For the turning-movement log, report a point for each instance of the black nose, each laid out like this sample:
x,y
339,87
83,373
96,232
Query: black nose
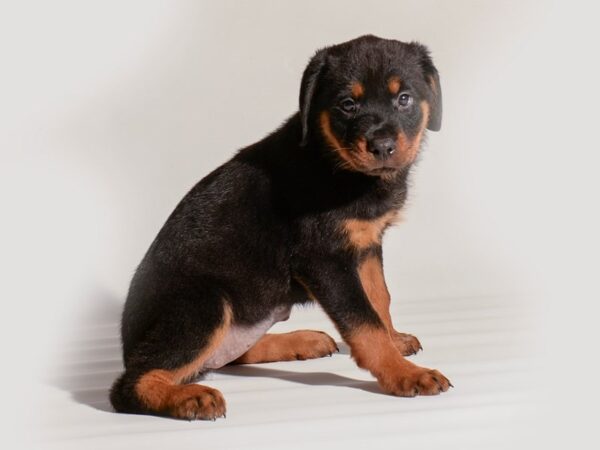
x,y
382,147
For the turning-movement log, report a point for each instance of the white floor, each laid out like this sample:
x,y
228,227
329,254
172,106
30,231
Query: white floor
x,y
481,344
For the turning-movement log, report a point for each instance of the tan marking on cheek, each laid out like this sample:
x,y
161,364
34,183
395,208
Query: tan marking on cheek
x,y
408,152
408,149
394,85
159,389
361,144
362,157
365,233
357,89
372,279
416,143
330,137
333,141
402,142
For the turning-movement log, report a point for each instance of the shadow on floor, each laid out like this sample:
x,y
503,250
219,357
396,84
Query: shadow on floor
x,y
307,378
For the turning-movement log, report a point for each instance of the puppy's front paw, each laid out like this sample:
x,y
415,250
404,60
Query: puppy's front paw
x,y
416,381
407,344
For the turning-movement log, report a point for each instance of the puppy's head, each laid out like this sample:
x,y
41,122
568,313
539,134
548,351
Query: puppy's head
x,y
368,102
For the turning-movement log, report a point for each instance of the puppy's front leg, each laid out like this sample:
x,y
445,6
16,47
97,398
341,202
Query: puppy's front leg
x,y
370,271
337,286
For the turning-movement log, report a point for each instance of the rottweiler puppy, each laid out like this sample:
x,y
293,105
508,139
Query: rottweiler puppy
x,y
297,217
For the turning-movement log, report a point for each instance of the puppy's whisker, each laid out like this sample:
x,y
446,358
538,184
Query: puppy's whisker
x,y
344,165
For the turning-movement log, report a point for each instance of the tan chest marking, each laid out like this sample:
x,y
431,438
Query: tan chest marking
x,y
366,233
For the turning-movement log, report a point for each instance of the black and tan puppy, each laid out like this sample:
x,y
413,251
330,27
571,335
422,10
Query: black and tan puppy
x,y
296,217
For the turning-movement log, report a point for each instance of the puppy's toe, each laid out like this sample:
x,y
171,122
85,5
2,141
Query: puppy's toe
x,y
309,344
196,402
418,381
407,344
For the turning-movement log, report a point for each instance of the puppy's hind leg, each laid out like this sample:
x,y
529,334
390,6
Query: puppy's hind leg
x,y
302,344
171,354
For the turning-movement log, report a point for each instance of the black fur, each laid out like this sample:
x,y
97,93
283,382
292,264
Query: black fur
x,y
273,213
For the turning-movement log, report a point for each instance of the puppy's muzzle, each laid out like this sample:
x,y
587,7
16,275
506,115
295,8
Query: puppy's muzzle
x,y
382,148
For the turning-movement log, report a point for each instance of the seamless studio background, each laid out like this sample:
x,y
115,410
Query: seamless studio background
x,y
110,111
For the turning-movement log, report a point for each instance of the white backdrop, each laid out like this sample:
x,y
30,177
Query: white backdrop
x,y
110,111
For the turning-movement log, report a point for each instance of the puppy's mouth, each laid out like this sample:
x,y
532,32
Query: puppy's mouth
x,y
378,171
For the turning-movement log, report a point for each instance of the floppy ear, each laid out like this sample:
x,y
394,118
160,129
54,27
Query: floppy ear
x,y
435,112
432,78
308,87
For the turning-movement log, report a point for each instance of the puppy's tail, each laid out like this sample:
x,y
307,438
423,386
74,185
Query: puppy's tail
x,y
123,396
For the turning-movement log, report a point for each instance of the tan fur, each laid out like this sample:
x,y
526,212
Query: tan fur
x,y
361,145
394,84
333,141
370,272
362,157
357,89
416,143
365,233
160,390
372,279
302,344
408,149
372,349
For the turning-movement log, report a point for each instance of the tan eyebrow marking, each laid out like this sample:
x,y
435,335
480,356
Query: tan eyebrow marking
x,y
394,85
357,89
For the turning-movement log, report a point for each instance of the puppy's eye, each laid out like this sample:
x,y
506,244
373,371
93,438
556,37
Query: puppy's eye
x,y
404,99
348,105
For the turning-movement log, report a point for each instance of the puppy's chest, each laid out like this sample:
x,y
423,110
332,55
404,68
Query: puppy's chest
x,y
361,233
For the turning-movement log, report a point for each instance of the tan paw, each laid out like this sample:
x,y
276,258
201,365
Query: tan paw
x,y
407,344
196,402
309,344
417,381
303,344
